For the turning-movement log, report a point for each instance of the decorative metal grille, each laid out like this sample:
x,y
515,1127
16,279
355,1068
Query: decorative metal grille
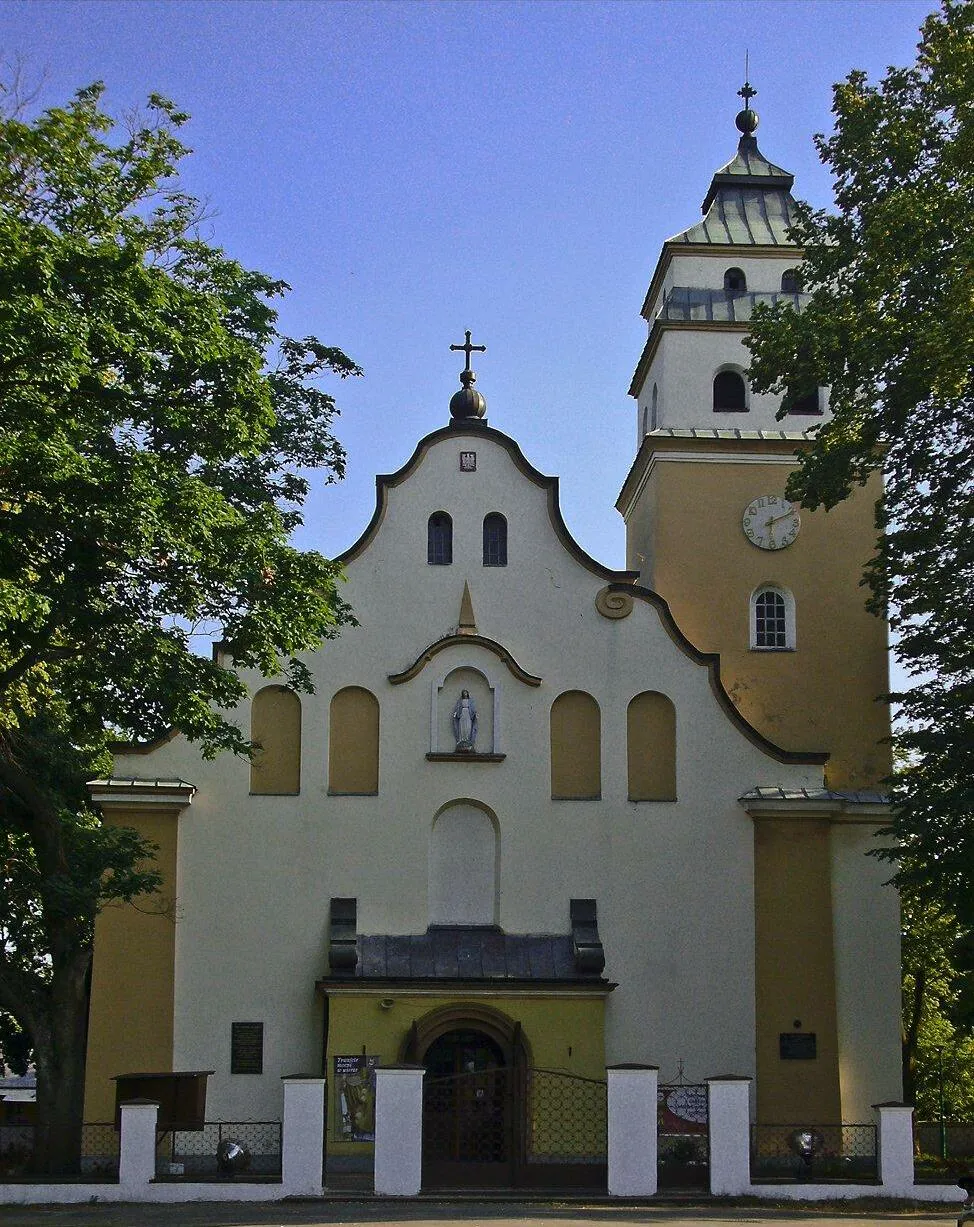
x,y
566,1118
195,1154
99,1151
814,1152
683,1141
467,1117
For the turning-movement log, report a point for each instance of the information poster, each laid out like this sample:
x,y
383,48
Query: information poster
x,y
355,1097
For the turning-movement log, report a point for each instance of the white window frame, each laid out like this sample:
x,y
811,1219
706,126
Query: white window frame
x,y
790,635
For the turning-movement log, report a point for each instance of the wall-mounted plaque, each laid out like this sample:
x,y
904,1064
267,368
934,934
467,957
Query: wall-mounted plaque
x,y
797,1046
247,1048
468,462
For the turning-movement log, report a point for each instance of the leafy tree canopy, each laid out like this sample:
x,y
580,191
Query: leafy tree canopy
x,y
890,328
154,429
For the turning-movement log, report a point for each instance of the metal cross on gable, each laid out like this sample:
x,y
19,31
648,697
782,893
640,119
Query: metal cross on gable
x,y
468,349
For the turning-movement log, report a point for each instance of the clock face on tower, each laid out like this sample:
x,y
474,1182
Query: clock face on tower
x,y
770,522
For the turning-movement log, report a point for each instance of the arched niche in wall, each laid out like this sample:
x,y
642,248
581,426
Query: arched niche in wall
x,y
576,747
484,690
353,742
651,747
463,865
275,726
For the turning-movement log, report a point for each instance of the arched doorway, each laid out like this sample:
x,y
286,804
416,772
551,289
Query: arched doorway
x,y
468,1109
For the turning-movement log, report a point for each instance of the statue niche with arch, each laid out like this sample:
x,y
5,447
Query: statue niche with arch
x,y
465,715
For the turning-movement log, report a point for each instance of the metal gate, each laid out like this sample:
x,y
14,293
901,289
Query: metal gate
x,y
514,1128
683,1125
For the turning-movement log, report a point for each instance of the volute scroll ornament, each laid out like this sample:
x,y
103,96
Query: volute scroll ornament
x,y
611,603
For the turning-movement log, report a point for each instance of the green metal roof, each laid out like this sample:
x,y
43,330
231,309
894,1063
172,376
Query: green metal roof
x,y
749,202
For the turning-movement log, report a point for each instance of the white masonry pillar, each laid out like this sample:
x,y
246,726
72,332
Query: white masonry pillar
x,y
137,1143
399,1130
303,1140
894,1145
632,1111
730,1135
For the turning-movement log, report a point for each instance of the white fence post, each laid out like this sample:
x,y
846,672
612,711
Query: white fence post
x,y
137,1143
894,1148
730,1134
399,1130
302,1144
632,1114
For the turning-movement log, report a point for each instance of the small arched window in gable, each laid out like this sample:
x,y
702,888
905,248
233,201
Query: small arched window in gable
x,y
275,729
772,619
654,412
730,392
803,401
651,747
735,280
495,540
439,540
791,282
576,747
353,742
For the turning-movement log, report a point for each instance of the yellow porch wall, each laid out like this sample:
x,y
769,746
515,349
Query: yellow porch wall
x,y
795,971
562,1033
130,1020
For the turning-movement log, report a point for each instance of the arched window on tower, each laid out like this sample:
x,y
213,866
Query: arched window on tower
x,y
495,540
806,401
275,727
730,392
791,281
772,618
735,280
439,540
654,411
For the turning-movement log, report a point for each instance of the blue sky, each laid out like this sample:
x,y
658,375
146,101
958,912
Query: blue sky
x,y
413,169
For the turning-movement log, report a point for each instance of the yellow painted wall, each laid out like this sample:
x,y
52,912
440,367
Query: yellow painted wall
x,y
130,1021
275,724
576,747
562,1033
685,537
353,742
651,747
795,971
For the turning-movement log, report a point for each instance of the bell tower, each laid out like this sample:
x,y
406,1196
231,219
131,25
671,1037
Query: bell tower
x,y
772,588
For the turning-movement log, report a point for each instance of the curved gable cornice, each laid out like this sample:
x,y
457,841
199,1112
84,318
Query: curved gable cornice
x,y
452,641
384,482
712,662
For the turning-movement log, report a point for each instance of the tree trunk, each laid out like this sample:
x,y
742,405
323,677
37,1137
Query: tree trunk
x,y
59,1052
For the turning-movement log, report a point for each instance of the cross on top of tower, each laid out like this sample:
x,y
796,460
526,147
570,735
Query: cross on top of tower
x,y
468,349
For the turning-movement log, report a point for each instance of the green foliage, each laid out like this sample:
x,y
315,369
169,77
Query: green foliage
x,y
890,328
155,433
938,1019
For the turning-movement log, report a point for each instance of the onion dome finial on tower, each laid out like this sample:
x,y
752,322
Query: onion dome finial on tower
x,y
468,402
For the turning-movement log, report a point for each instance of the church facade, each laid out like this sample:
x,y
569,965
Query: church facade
x,y
539,813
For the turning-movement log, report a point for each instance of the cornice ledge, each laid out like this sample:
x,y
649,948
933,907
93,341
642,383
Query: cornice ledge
x,y
450,641
128,791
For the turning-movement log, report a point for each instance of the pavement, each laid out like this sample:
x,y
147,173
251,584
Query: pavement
x,y
381,1212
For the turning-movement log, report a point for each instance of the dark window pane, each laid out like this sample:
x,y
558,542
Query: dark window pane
x,y
734,279
790,281
439,545
802,402
495,540
730,393
770,630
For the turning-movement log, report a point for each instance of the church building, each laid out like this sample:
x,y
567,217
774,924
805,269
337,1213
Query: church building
x,y
540,815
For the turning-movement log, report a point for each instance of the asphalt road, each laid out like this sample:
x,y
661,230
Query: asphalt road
x,y
441,1214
